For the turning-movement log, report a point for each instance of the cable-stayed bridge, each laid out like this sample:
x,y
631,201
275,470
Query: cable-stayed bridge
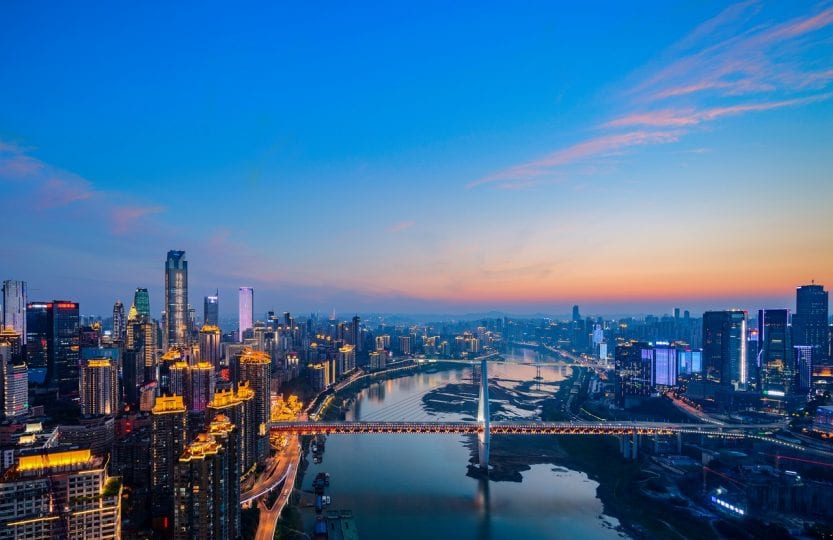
x,y
484,428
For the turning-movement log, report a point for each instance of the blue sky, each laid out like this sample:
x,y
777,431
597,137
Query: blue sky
x,y
417,157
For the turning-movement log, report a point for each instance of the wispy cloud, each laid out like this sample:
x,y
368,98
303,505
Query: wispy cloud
x,y
691,116
401,226
124,218
736,63
522,175
49,187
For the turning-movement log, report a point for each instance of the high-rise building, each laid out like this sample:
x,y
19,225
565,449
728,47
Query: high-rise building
x,y
60,494
665,366
777,369
211,310
14,307
141,300
14,383
200,386
119,322
99,387
201,481
809,322
633,364
176,299
64,347
228,404
168,433
724,347
228,434
356,333
803,362
256,370
37,339
246,310
210,345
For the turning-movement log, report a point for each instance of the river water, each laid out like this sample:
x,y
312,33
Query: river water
x,y
416,486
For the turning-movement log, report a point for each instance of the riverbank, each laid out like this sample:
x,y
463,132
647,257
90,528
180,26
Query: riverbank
x,y
619,480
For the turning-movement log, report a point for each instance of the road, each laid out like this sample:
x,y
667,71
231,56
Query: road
x,y
273,475
286,471
692,411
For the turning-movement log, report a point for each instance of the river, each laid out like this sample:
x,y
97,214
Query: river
x,y
416,486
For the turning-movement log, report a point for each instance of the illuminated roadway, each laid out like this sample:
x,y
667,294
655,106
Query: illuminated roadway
x,y
275,474
515,428
286,473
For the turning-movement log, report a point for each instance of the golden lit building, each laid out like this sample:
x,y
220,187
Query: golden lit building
x,y
168,433
99,387
60,494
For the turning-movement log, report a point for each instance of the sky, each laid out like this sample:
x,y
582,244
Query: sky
x,y
419,157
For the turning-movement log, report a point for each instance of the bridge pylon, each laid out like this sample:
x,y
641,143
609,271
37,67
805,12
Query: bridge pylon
x,y
484,437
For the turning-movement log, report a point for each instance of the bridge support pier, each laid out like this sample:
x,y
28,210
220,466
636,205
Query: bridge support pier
x,y
679,442
484,438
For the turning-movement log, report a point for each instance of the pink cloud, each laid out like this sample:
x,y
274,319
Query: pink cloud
x,y
401,226
802,26
595,147
690,117
125,218
57,192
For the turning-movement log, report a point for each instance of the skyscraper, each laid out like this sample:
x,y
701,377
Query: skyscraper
x,y
211,310
99,389
246,310
14,395
60,493
64,347
724,347
809,323
168,432
256,369
201,491
176,299
14,307
210,345
228,404
38,335
141,300
777,369
119,321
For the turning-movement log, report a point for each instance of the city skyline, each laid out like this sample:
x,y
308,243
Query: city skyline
x,y
422,167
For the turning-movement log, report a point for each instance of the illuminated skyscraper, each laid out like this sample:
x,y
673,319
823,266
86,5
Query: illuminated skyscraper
x,y
64,347
228,434
211,310
246,311
256,370
777,369
809,323
99,389
141,300
210,345
14,307
724,347
176,299
38,339
200,386
168,432
59,493
14,384
119,322
228,404
201,505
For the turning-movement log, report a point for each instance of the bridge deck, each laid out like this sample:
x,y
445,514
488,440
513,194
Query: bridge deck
x,y
509,428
